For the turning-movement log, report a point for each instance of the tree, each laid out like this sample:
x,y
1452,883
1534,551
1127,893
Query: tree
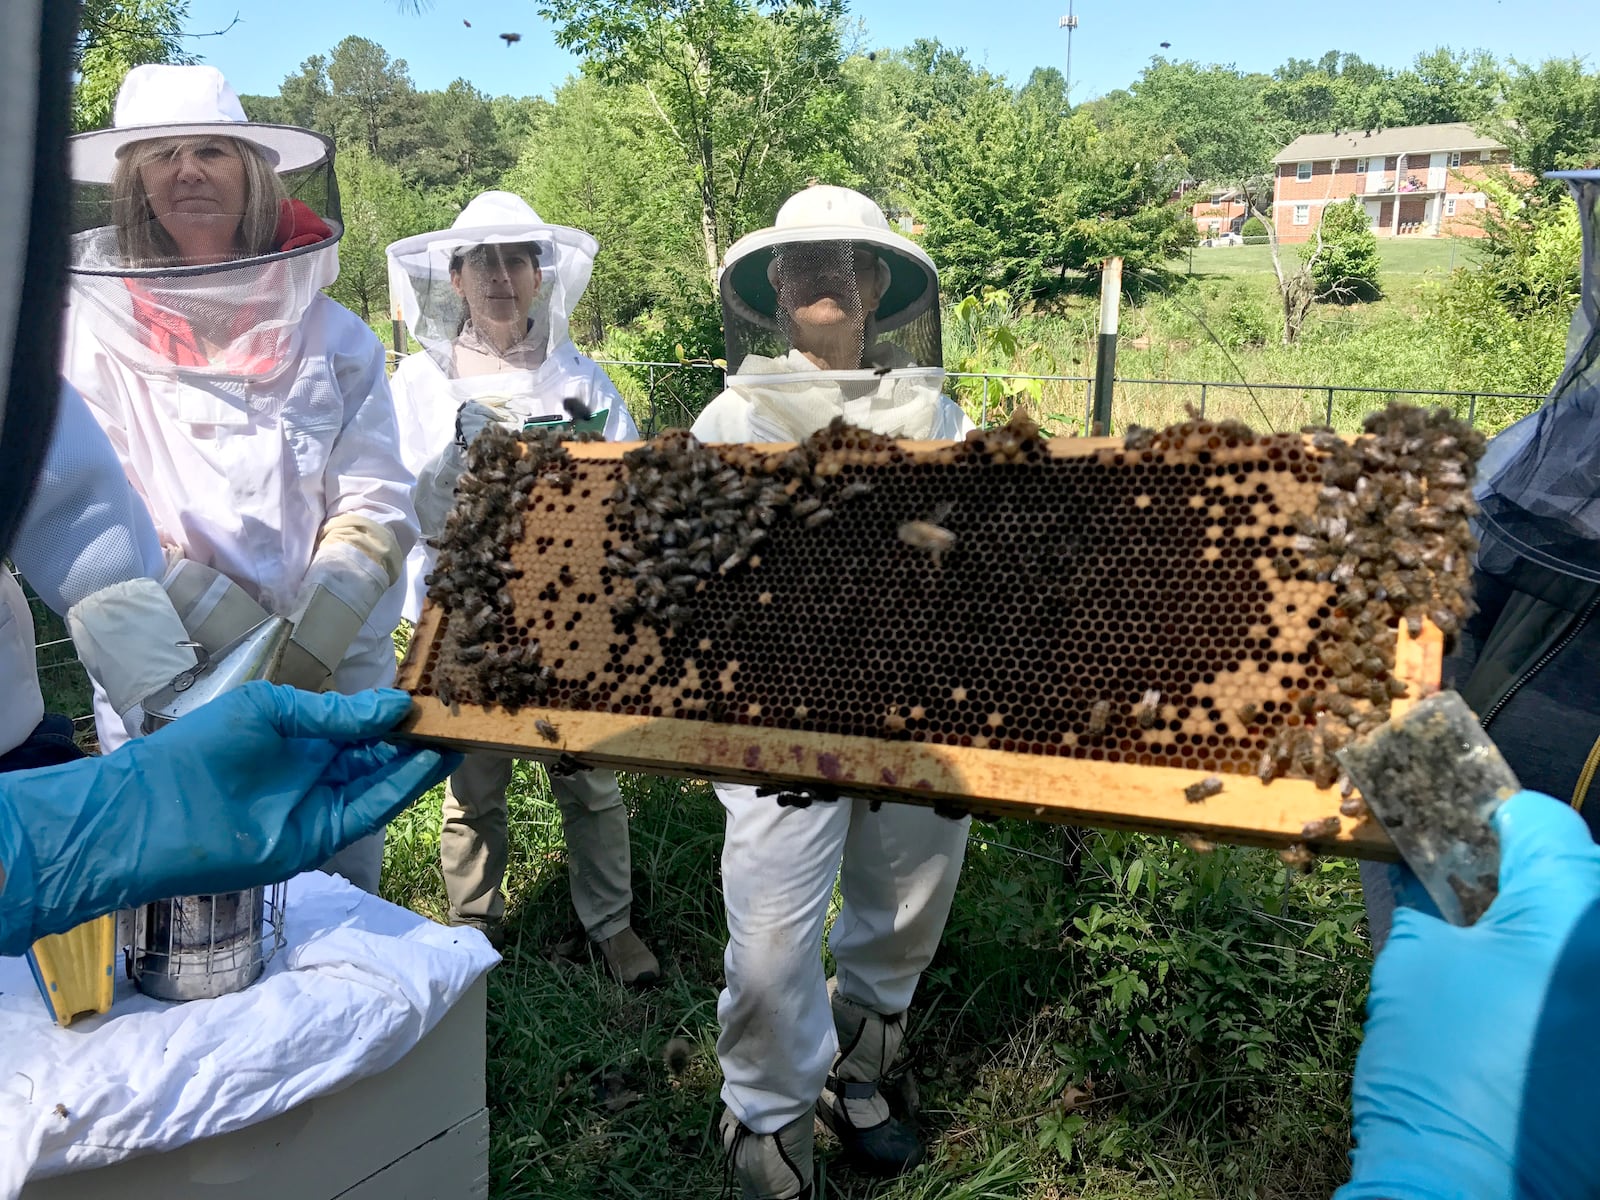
x,y
114,36
594,164
1117,202
371,93
738,86
990,181
1551,117
379,207
1343,260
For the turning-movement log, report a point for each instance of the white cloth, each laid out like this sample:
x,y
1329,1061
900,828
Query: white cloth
x,y
897,870
241,474
426,402
131,642
23,707
358,986
786,399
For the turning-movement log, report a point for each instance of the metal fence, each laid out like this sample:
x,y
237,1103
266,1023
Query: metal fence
x,y
660,397
664,395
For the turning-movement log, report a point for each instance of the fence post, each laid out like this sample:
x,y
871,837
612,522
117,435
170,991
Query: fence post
x,y
652,432
1203,399
983,415
1328,419
1105,366
1472,412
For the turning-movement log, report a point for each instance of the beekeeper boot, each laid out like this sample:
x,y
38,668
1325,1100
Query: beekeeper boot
x,y
852,1103
629,959
768,1166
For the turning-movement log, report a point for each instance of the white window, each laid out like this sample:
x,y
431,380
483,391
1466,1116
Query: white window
x,y
1302,172
1455,159
1361,166
1485,155
1450,206
1302,214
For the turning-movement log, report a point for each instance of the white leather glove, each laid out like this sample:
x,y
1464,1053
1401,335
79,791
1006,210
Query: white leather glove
x,y
357,561
132,642
436,481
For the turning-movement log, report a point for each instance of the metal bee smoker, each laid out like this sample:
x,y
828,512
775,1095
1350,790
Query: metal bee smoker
x,y
200,947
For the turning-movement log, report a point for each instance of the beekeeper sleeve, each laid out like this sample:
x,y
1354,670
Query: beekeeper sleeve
x,y
371,526
88,549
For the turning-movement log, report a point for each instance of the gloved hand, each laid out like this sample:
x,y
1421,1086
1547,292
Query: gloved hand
x,y
436,481
1480,1072
357,561
257,786
132,642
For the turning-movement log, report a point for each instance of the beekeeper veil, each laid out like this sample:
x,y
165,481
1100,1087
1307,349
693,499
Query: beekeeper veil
x,y
494,293
35,58
201,237
1540,489
831,313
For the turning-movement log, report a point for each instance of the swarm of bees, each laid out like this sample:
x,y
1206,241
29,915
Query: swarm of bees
x,y
690,514
471,575
1391,532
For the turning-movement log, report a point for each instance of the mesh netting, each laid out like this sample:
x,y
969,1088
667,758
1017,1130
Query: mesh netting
x,y
153,299
457,292
840,305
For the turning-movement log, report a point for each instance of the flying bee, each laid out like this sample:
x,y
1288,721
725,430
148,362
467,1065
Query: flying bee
x,y
546,730
1196,843
576,409
1297,856
1206,788
935,540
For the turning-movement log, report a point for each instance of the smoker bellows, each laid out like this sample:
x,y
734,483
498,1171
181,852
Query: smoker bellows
x,y
1065,629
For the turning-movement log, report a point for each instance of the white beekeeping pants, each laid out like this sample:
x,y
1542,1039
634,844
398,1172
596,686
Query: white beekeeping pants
x,y
897,870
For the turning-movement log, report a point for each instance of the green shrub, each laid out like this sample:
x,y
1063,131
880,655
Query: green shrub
x,y
1255,227
1345,265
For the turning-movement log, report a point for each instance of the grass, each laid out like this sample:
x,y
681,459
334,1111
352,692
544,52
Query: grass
x,y
1400,256
1156,1024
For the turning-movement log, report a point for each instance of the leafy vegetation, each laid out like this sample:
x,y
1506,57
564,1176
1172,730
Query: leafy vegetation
x,y
1343,260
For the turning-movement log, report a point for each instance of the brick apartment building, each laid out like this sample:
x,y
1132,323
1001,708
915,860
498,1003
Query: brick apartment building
x,y
1221,210
1415,181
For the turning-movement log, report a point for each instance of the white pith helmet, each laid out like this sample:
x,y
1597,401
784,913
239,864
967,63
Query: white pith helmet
x,y
827,213
160,100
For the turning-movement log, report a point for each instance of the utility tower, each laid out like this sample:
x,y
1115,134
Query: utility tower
x,y
1069,23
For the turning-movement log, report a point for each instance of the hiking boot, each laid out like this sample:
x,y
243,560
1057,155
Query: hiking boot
x,y
767,1166
494,930
629,959
852,1104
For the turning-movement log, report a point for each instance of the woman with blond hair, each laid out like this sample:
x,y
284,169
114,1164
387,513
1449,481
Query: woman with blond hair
x,y
250,411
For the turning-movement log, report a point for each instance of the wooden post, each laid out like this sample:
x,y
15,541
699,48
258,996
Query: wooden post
x,y
1105,368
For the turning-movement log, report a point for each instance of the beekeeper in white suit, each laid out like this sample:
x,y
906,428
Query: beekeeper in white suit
x,y
826,314
250,412
489,300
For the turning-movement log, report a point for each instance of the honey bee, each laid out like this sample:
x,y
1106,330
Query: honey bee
x,y
1195,793
1298,856
1099,714
1324,827
1196,843
1148,709
935,540
1353,806
546,730
61,1111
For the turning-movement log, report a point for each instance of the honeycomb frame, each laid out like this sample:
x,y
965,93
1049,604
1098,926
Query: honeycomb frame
x,y
1123,744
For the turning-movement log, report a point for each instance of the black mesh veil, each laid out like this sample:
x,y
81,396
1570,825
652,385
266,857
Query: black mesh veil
x,y
1540,490
240,317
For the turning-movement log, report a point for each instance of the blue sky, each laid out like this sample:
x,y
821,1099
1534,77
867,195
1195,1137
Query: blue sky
x,y
1115,38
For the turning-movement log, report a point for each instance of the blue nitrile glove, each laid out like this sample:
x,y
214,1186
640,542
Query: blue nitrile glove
x,y
1480,1073
257,786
